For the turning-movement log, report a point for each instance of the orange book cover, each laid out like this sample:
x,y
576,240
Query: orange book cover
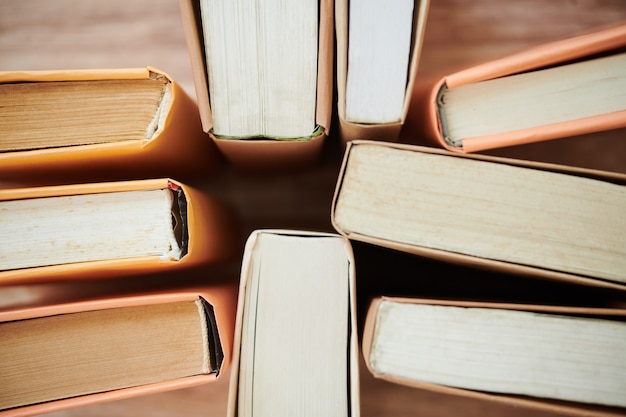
x,y
265,154
426,121
466,259
390,131
212,235
179,147
560,407
220,292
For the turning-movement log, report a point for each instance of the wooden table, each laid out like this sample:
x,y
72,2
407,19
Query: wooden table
x,y
45,34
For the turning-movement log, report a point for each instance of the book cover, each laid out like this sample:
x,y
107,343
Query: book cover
x,y
305,292
206,226
426,115
534,367
409,198
174,142
265,154
218,297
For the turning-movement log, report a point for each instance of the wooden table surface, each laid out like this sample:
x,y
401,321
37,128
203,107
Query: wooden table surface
x,y
59,34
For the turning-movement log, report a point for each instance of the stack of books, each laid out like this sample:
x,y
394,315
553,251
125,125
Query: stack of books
x,y
96,230
134,279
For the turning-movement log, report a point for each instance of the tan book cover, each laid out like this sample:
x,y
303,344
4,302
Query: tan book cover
x,y
220,295
254,155
212,235
176,147
426,120
395,228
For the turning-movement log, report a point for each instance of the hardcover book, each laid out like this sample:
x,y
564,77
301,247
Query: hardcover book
x,y
378,53
560,89
552,221
108,124
81,350
567,360
296,306
116,229
251,82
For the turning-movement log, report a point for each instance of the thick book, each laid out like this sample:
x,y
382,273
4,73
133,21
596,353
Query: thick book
x,y
295,346
107,124
96,230
378,53
560,89
251,82
546,220
80,350
514,354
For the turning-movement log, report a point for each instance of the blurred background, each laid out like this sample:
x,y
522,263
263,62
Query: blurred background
x,y
63,34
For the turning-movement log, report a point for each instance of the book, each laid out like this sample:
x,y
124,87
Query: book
x,y
262,111
538,219
560,89
134,228
539,357
107,124
376,69
296,306
75,346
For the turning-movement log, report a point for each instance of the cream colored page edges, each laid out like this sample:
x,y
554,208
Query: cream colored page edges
x,y
503,351
261,66
536,98
487,210
87,227
378,60
298,297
